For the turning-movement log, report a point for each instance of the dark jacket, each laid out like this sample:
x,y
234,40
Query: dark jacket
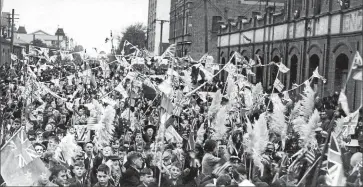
x,y
131,178
98,185
75,183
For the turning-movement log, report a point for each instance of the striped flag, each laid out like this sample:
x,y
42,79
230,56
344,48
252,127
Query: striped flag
x,y
310,156
335,164
278,85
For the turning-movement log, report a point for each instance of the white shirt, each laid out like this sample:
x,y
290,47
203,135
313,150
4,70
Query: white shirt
x,y
246,183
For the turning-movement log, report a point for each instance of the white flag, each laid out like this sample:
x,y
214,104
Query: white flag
x,y
278,85
317,75
357,61
13,57
343,101
230,68
351,121
358,75
252,62
122,90
282,67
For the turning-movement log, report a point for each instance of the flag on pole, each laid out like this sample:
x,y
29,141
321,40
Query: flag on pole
x,y
317,75
350,122
282,67
357,66
278,85
20,164
358,75
335,164
357,61
230,68
166,104
343,101
13,57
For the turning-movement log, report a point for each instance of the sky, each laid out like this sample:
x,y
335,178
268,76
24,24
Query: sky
x,y
88,22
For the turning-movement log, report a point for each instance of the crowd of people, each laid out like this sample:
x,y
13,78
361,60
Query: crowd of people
x,y
216,139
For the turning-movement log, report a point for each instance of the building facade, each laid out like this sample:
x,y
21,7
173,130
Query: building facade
x,y
50,40
309,34
187,22
158,17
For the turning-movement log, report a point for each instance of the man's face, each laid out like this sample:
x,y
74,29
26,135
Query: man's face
x,y
52,144
102,178
150,131
138,162
78,171
16,125
39,150
61,177
89,148
147,179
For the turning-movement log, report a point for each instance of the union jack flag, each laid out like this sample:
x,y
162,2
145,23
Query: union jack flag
x,y
20,164
335,164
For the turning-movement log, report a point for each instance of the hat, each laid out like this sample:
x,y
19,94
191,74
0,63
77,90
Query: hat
x,y
40,144
17,120
39,130
318,129
150,126
113,158
353,143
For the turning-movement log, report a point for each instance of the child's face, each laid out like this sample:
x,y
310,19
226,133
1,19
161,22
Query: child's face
x,y
116,144
174,172
147,179
107,151
49,128
179,145
102,178
78,171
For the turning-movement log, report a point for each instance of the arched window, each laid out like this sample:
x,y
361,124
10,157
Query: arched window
x,y
224,73
242,70
259,71
313,64
293,70
274,70
341,71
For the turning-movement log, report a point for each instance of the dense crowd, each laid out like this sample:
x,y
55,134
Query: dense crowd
x,y
188,149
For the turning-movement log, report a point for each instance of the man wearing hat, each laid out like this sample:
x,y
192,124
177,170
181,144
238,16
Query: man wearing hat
x,y
150,131
353,147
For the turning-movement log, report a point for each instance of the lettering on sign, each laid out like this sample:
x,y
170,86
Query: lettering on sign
x,y
352,21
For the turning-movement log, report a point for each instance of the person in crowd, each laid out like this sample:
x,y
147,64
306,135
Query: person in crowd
x,y
131,177
210,161
103,176
59,175
80,178
147,178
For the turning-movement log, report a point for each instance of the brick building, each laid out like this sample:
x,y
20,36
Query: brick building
x,y
311,33
158,10
187,22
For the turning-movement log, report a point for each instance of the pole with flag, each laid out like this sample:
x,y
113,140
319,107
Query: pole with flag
x,y
20,164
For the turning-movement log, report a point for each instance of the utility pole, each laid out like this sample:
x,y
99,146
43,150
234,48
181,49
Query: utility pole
x,y
1,32
161,34
205,27
12,30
